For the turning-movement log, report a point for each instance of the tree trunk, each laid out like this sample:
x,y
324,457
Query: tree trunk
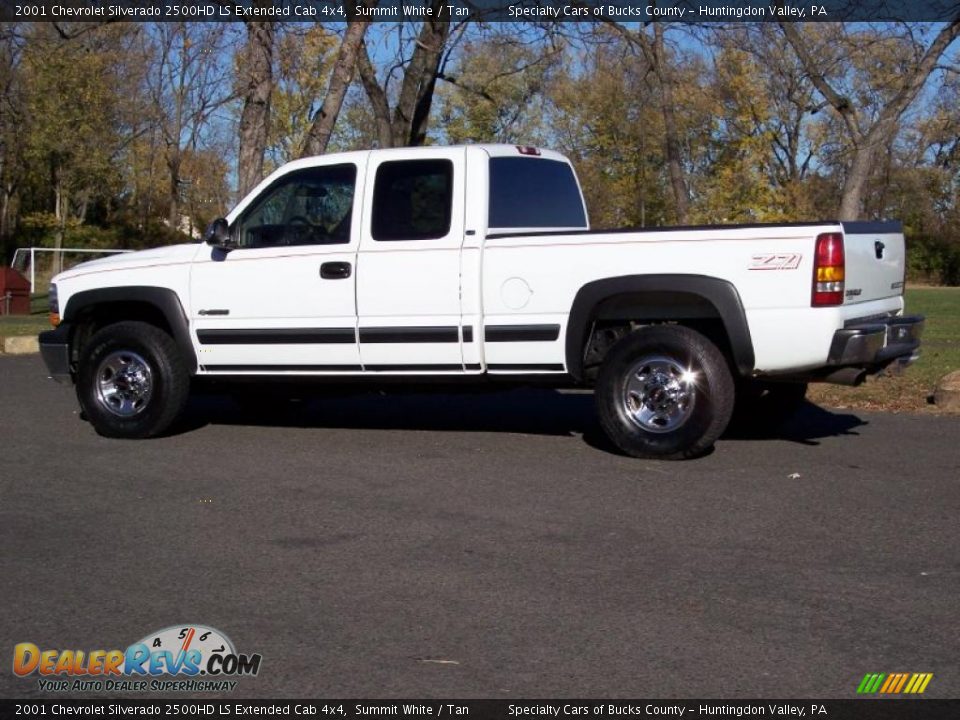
x,y
173,164
865,155
377,97
408,125
417,134
5,223
419,81
318,137
254,127
671,139
60,212
4,202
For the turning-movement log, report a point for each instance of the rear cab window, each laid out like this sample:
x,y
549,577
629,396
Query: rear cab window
x,y
535,194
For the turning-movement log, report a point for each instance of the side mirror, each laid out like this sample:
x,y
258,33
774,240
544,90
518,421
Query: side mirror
x,y
218,234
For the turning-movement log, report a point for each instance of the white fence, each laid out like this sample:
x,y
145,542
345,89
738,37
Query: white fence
x,y
22,257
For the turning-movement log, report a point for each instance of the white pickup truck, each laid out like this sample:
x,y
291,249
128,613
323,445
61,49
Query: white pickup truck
x,y
477,263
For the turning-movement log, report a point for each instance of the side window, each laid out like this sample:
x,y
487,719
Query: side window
x,y
412,200
306,207
534,193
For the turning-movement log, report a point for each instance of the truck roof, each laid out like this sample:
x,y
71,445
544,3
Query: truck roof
x,y
404,153
492,149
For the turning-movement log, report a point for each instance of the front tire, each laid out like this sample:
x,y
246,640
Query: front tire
x,y
664,392
132,382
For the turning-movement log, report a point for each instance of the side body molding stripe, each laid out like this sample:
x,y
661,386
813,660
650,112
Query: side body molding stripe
x,y
521,333
314,335
277,336
721,294
424,334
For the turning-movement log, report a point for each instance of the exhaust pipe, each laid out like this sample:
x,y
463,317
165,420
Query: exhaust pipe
x,y
846,376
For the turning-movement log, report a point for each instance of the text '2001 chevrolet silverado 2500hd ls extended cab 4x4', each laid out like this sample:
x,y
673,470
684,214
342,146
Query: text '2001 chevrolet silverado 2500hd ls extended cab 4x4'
x,y
478,263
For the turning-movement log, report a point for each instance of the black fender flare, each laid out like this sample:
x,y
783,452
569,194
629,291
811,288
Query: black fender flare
x,y
720,294
163,299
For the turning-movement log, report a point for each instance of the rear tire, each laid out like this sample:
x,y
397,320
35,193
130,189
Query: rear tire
x,y
664,392
132,382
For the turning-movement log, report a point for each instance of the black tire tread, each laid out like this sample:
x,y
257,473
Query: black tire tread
x,y
717,401
172,379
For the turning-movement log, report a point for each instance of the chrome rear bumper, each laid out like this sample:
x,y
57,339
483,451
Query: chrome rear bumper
x,y
866,348
876,344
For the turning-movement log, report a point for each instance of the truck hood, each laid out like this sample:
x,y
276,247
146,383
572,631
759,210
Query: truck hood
x,y
169,254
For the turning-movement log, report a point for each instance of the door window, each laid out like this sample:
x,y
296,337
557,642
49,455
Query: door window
x,y
306,207
412,200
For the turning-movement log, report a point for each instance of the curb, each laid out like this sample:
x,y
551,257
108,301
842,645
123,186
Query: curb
x,y
19,345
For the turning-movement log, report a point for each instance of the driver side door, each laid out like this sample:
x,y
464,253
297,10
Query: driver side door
x,y
285,298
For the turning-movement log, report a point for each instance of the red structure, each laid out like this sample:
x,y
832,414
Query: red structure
x,y
14,293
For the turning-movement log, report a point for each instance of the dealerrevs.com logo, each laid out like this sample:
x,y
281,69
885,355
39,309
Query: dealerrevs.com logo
x,y
184,658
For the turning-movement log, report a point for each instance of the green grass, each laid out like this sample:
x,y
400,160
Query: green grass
x,y
11,325
37,321
939,355
40,304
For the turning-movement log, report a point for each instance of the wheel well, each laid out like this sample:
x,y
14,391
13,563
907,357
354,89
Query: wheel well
x,y
616,316
95,317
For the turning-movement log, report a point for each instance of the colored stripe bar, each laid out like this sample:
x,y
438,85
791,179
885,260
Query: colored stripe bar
x,y
894,683
903,679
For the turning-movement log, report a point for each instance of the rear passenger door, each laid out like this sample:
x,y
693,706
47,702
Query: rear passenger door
x,y
408,266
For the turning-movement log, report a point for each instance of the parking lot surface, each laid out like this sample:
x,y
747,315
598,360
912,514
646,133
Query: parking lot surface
x,y
485,545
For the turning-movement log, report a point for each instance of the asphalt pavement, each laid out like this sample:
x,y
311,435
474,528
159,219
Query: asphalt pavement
x,y
484,545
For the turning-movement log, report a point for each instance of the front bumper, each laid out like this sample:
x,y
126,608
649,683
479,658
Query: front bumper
x,y
55,351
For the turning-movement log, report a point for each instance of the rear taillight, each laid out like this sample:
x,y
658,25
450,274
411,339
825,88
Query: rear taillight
x,y
828,270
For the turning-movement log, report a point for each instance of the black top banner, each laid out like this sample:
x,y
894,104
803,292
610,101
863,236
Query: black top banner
x,y
684,11
583,709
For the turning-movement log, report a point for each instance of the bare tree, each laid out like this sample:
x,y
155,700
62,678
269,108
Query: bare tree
x,y
12,167
654,52
318,136
255,84
189,82
870,136
408,123
666,81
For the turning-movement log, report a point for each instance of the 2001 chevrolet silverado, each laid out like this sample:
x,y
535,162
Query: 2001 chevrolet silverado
x,y
478,263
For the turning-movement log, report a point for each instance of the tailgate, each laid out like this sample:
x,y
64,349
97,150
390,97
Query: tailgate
x,y
875,261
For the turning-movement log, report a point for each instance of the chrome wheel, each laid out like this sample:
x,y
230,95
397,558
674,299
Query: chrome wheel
x,y
659,394
124,383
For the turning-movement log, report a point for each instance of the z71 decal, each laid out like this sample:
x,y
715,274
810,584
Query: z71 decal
x,y
775,261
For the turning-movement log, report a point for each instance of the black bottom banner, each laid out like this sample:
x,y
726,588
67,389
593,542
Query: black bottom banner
x,y
860,709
